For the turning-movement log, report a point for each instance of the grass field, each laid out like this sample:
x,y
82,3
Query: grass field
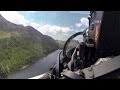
x,y
17,52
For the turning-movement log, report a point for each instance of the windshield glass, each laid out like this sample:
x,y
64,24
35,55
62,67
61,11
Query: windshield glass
x,y
31,40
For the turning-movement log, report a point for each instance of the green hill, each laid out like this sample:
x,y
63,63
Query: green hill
x,y
20,46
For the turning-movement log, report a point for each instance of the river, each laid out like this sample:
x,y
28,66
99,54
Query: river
x,y
39,67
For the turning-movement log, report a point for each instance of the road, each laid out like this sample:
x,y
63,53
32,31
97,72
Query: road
x,y
39,67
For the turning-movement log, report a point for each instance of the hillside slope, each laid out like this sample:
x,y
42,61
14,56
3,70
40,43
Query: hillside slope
x,y
20,46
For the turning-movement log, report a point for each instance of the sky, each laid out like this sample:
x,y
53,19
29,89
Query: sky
x,y
58,24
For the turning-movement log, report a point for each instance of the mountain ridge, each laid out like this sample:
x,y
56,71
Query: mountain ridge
x,y
21,45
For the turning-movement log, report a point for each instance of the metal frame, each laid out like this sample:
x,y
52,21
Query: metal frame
x,y
102,69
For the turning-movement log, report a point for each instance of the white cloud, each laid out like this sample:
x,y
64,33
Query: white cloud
x,y
32,11
57,32
35,25
78,24
53,29
14,17
84,21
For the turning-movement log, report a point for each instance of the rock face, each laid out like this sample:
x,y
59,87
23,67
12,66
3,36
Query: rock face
x,y
21,45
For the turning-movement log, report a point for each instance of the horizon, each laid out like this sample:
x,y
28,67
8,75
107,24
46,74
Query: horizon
x,y
59,25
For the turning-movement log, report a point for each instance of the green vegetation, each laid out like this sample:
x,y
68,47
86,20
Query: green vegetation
x,y
19,51
21,46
